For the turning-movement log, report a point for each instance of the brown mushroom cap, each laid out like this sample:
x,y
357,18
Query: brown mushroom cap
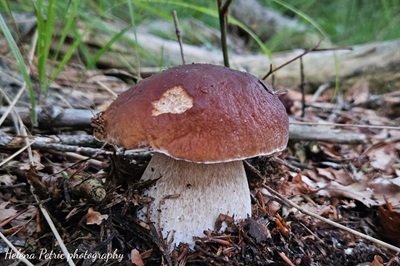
x,y
200,113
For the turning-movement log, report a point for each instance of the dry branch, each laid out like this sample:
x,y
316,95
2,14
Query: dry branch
x,y
52,117
82,144
318,133
49,117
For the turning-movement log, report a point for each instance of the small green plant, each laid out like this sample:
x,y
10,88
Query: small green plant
x,y
21,65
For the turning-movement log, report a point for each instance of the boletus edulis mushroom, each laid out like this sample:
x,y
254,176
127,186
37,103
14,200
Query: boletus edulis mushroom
x,y
201,121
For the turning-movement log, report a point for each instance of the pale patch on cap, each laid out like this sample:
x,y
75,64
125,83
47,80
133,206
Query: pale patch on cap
x,y
174,101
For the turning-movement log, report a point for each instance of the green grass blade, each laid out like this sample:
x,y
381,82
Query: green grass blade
x,y
45,27
6,6
131,13
71,13
21,66
41,39
67,56
82,47
252,34
303,16
133,26
108,45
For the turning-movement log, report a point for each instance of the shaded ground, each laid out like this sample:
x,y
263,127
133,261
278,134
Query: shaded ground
x,y
93,203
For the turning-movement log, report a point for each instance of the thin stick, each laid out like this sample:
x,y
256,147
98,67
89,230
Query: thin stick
x,y
223,19
56,234
20,255
314,215
286,259
291,60
16,153
114,95
343,125
303,96
66,143
178,34
12,104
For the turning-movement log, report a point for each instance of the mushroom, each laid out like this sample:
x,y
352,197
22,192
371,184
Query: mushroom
x,y
201,121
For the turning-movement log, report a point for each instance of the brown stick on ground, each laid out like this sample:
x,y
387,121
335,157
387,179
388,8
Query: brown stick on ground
x,y
82,144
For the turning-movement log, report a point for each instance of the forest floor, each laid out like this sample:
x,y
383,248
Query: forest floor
x,y
93,200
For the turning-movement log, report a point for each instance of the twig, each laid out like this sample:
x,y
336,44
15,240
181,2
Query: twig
x,y
12,104
67,143
306,132
321,89
20,256
291,60
286,259
16,154
114,95
55,232
12,186
223,19
314,215
344,125
84,158
303,96
178,34
53,116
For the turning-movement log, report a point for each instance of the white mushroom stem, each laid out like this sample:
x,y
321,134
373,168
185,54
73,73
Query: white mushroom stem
x,y
188,197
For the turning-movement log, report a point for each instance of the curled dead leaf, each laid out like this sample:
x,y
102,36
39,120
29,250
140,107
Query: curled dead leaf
x,y
282,225
223,221
136,258
267,204
295,187
258,230
389,221
378,261
94,217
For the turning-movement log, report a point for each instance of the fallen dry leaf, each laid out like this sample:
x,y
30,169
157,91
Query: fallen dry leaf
x,y
7,180
359,92
94,217
35,163
268,203
295,187
382,157
282,225
258,230
358,191
389,221
378,261
223,221
136,258
6,212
